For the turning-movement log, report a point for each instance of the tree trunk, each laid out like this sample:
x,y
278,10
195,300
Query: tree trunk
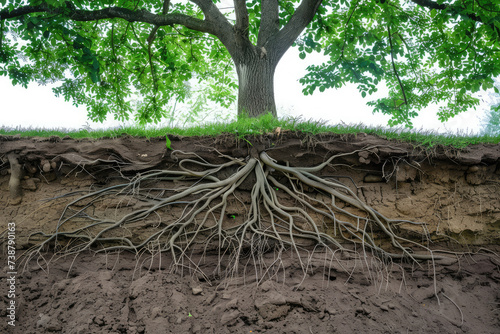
x,y
256,86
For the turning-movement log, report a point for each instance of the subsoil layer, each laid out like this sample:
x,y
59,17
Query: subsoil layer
x,y
111,294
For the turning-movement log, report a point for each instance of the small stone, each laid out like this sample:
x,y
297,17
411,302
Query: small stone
x,y
473,169
330,310
155,312
266,286
364,161
197,291
196,328
447,261
364,154
229,317
424,293
99,320
29,184
16,201
232,304
44,320
54,327
46,167
362,310
370,178
106,275
273,298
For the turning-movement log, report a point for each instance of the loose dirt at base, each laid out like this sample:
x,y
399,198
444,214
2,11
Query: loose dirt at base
x,y
118,294
456,193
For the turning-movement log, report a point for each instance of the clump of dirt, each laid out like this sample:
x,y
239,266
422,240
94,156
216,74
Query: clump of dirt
x,y
454,192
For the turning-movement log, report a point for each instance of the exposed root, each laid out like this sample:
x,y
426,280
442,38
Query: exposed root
x,y
15,190
186,210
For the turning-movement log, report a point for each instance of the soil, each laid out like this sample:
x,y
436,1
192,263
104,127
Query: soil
x,y
455,192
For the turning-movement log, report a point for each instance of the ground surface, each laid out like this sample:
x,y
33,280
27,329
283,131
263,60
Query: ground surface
x,y
456,193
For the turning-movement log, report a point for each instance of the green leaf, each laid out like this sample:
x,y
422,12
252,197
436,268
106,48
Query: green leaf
x,y
94,76
95,64
168,143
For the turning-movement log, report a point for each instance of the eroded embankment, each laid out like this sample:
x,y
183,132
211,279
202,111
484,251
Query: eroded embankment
x,y
455,192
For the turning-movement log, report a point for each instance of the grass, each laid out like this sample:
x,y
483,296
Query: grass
x,y
266,124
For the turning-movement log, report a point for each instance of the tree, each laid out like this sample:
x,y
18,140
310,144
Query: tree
x,y
425,51
492,126
491,123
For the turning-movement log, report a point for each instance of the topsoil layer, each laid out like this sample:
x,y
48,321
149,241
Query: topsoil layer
x,y
455,192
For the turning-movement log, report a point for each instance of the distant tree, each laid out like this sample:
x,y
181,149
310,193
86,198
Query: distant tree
x,y
492,120
103,51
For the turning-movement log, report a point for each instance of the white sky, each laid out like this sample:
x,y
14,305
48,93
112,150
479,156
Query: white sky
x,y
38,107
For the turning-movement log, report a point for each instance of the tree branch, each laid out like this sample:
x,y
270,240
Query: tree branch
x,y
242,20
430,4
221,28
166,6
291,31
269,23
113,12
394,67
152,35
455,9
458,10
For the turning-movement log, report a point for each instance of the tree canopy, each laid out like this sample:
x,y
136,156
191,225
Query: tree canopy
x,y
103,51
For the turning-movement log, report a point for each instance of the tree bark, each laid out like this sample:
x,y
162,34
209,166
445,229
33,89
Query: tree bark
x,y
256,86
256,64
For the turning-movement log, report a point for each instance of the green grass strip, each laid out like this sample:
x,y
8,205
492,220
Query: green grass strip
x,y
267,124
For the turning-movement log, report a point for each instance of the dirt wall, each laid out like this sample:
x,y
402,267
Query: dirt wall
x,y
455,192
